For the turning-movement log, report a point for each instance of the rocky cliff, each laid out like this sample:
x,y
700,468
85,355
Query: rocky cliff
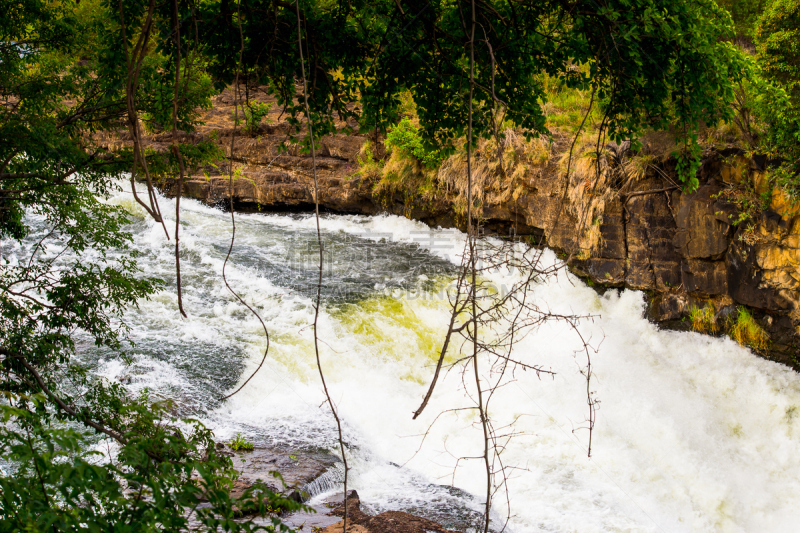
x,y
622,223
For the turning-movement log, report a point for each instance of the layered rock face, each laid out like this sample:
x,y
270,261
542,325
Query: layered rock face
x,y
685,250
642,232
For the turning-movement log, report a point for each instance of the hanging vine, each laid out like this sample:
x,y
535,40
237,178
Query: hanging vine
x,y
317,302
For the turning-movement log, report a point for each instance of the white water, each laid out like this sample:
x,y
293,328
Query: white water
x,y
694,433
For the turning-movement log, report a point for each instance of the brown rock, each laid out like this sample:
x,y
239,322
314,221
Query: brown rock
x,y
783,205
640,275
607,271
386,522
400,522
667,274
746,280
297,468
239,487
707,278
792,241
667,307
700,234
339,526
772,257
760,181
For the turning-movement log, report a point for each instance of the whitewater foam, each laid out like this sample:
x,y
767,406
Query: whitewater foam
x,y
694,433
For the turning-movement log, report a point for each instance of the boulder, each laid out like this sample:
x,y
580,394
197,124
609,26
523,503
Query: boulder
x,y
386,522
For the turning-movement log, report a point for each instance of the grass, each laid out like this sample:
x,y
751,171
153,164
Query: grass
x,y
239,442
703,320
502,166
500,171
637,166
565,107
745,330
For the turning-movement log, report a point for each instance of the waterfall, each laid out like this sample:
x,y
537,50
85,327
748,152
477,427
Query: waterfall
x,y
694,433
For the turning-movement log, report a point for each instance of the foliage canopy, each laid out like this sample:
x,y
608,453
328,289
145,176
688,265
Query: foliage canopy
x,y
651,63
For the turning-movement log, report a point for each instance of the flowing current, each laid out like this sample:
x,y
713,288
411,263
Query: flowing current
x,y
693,433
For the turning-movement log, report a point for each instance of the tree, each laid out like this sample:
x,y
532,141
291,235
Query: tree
x,y
745,15
778,60
67,269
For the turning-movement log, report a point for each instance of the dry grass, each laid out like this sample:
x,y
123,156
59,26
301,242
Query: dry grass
x,y
723,134
588,193
496,163
660,145
398,174
635,168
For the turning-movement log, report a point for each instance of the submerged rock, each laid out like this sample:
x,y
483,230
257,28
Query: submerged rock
x,y
297,468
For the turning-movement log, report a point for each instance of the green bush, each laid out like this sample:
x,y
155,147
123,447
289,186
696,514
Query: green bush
x,y
406,139
157,91
57,481
778,45
745,14
253,114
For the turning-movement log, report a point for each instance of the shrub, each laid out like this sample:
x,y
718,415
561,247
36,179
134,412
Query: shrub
x,y
239,442
746,331
778,45
253,114
777,39
745,14
406,139
156,95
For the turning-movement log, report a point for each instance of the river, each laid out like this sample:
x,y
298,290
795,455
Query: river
x,y
693,433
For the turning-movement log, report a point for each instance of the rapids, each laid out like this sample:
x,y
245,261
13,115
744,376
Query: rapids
x,y
693,433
